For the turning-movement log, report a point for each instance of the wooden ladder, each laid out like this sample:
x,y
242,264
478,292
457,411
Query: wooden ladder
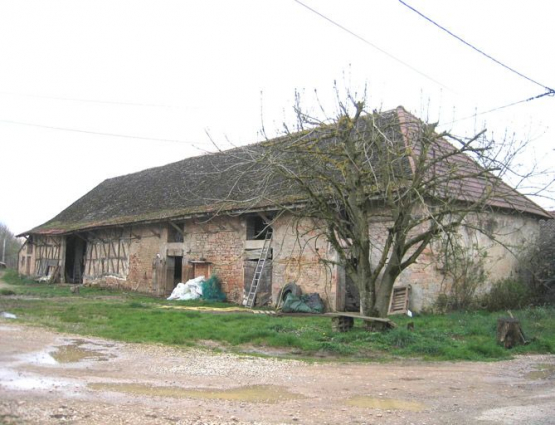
x,y
259,268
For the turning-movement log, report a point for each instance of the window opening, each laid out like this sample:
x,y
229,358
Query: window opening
x,y
257,228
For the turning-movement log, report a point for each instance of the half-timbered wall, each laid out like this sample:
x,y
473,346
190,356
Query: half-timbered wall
x,y
48,254
107,254
132,257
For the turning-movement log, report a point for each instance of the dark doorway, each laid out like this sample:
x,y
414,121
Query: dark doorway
x,y
76,249
177,270
352,296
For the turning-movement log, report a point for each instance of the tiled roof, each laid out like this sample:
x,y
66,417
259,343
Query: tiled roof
x,y
230,181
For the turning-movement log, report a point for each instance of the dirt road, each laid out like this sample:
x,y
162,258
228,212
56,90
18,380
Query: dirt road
x,y
47,377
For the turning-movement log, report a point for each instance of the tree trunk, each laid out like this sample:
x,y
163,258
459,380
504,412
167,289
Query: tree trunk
x,y
366,288
383,294
367,303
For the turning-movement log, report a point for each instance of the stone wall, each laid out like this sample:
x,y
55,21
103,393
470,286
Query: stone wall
x,y
143,254
429,276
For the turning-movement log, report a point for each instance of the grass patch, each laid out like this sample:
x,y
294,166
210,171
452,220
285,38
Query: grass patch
x,y
138,318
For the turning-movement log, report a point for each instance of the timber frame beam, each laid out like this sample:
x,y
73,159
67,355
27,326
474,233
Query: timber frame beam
x,y
176,227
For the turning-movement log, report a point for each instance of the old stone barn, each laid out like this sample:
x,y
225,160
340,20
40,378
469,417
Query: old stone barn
x,y
211,214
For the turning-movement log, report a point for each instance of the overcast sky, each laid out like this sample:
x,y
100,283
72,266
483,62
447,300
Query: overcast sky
x,y
76,73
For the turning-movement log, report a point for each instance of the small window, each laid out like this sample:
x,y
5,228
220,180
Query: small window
x,y
29,247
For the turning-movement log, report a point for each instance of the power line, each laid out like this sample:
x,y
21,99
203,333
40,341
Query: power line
x,y
76,130
109,102
548,93
549,89
372,44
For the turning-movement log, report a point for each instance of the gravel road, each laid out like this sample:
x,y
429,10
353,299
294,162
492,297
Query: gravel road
x,y
51,378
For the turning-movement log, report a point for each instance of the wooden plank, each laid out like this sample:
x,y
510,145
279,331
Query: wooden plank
x,y
113,258
119,248
125,257
357,316
176,227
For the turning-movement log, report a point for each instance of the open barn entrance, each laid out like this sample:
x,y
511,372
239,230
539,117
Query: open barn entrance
x,y
76,247
178,270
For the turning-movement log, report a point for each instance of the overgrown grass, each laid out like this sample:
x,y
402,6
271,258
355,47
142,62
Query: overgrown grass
x,y
138,318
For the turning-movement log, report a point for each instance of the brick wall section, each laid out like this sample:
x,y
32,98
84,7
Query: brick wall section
x,y
298,252
221,242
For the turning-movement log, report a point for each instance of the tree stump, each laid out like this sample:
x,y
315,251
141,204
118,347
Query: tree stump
x,y
509,332
342,324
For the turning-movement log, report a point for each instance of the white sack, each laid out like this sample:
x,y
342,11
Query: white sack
x,y
191,290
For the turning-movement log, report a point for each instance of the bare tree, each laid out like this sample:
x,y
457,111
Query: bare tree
x,y
9,246
346,171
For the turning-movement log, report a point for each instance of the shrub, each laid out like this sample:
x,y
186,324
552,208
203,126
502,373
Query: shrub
x,y
463,265
507,294
538,265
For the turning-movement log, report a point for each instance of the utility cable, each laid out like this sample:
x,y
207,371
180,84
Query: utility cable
x,y
372,45
550,91
151,105
99,133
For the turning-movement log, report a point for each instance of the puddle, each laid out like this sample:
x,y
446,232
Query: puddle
x,y
14,380
544,371
250,394
385,404
76,352
39,358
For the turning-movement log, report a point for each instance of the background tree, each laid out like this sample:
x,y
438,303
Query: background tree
x,y
358,165
11,244
538,265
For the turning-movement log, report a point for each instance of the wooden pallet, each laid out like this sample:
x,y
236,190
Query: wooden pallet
x,y
399,301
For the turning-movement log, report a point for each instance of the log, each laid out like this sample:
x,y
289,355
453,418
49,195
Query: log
x,y
343,322
509,332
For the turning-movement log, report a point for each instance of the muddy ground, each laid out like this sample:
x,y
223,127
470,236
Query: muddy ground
x,y
46,377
